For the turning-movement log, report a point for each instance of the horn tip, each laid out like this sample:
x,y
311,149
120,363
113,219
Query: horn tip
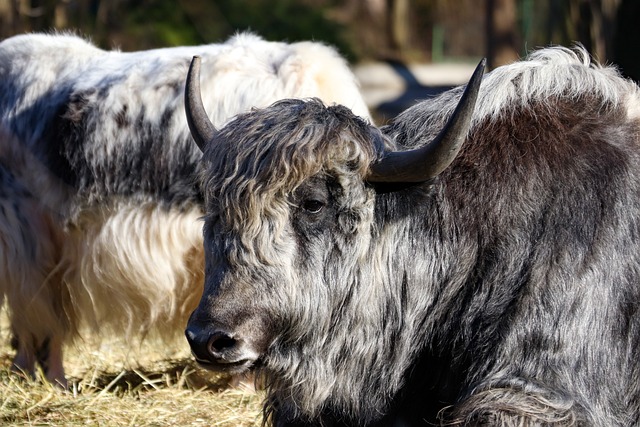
x,y
195,60
481,67
201,128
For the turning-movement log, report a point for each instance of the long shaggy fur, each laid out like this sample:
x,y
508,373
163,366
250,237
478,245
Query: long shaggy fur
x,y
103,203
503,292
247,188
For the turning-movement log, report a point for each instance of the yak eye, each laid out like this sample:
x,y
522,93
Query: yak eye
x,y
312,206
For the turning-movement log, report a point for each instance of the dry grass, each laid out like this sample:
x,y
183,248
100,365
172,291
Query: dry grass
x,y
113,383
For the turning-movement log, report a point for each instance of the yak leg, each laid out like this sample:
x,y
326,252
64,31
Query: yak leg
x,y
49,357
46,353
31,238
55,370
29,252
25,360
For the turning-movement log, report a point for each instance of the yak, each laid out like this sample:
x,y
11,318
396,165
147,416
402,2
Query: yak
x,y
474,262
100,204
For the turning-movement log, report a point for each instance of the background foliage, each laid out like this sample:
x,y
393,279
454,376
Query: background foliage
x,y
408,30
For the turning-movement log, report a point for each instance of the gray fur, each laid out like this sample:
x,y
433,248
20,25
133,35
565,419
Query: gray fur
x,y
503,292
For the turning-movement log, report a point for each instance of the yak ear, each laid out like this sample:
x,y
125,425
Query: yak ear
x,y
202,129
406,168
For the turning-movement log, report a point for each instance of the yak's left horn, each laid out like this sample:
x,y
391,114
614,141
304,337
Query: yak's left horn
x,y
202,130
428,161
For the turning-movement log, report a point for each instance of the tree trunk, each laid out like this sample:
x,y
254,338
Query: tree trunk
x,y
399,28
502,36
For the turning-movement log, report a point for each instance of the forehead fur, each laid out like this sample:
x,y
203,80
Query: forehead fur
x,y
260,157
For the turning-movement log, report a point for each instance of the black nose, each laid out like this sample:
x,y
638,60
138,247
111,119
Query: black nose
x,y
212,347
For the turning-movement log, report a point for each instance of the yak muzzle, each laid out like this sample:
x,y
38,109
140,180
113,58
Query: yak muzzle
x,y
220,351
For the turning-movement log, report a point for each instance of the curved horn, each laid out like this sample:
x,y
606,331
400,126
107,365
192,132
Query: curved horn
x,y
202,130
430,160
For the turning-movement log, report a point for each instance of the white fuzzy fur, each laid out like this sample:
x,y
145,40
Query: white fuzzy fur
x,y
108,262
546,74
145,262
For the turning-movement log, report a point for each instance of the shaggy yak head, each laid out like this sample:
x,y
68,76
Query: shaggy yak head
x,y
292,286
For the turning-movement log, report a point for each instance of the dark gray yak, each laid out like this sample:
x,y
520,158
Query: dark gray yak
x,y
476,262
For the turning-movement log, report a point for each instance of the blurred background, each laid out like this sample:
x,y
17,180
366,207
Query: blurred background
x,y
400,49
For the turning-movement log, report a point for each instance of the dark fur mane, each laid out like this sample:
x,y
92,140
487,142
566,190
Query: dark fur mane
x,y
537,223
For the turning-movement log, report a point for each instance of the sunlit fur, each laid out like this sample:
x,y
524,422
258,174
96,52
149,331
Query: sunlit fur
x,y
154,250
503,292
248,183
101,226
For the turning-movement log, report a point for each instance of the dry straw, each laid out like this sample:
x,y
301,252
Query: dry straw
x,y
113,383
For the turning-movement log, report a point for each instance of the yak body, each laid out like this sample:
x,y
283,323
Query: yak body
x,y
100,205
504,291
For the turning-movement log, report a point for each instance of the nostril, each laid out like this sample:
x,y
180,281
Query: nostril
x,y
216,347
219,343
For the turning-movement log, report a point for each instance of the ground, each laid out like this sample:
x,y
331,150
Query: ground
x,y
114,383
